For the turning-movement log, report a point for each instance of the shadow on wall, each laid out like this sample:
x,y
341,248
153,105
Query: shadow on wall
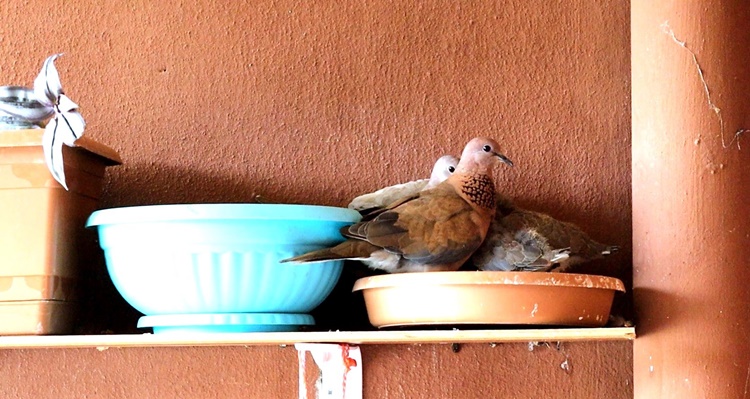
x,y
149,184
343,309
674,309
102,310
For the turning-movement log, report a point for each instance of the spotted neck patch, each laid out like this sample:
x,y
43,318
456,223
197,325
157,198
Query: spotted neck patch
x,y
480,190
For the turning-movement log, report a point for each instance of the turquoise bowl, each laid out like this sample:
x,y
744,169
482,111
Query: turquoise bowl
x,y
225,323
220,258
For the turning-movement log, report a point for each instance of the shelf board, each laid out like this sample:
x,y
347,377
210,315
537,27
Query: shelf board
x,y
289,338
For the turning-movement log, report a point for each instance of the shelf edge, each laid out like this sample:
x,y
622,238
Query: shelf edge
x,y
290,338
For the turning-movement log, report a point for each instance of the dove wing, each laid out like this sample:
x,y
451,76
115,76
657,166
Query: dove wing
x,y
437,226
559,234
385,196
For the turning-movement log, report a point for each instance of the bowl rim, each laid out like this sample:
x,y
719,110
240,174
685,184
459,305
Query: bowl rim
x,y
225,319
220,211
490,278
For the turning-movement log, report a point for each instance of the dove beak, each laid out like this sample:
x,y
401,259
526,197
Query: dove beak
x,y
504,159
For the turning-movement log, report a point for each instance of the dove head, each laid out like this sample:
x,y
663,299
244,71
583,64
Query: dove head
x,y
444,167
480,154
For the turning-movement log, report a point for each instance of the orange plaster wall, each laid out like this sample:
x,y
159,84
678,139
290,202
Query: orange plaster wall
x,y
427,371
316,102
690,199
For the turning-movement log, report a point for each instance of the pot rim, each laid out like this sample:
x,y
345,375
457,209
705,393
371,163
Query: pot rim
x,y
479,278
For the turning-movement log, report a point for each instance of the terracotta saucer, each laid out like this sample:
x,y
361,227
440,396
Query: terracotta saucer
x,y
486,298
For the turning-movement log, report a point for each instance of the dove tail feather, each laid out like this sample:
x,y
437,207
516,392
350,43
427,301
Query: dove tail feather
x,y
350,249
320,255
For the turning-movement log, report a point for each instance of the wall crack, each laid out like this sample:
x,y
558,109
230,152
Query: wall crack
x,y
711,105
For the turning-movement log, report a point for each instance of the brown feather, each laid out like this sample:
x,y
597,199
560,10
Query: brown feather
x,y
435,229
547,234
559,234
350,249
438,227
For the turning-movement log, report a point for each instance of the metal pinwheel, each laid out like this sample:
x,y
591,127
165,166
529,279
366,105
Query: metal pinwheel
x,y
66,125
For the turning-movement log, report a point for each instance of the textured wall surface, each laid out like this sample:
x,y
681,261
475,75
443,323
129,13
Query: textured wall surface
x,y
407,371
316,102
690,199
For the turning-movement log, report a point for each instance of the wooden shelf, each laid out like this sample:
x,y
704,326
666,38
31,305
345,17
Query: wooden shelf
x,y
289,338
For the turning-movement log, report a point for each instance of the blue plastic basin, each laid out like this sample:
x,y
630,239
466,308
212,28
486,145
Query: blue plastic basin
x,y
220,258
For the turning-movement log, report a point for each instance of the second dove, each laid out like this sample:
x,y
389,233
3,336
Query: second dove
x,y
437,229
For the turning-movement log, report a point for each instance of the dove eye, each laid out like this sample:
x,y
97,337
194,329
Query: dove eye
x,y
486,148
451,169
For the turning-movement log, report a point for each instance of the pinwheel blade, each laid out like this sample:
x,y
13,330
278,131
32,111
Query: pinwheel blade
x,y
47,86
52,146
65,104
70,126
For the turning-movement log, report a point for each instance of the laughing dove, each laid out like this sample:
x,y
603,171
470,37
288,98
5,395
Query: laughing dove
x,y
524,249
443,168
434,230
524,240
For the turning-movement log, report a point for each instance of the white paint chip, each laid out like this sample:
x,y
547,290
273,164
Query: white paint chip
x,y
340,370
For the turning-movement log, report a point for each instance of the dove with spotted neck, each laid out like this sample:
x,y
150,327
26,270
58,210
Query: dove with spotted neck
x,y
433,230
524,240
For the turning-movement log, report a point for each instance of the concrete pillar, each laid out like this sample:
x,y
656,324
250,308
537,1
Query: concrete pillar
x,y
691,198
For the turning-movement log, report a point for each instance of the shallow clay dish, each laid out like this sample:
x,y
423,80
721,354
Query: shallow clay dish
x,y
512,298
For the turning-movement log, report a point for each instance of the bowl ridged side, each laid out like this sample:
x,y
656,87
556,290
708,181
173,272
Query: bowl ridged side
x,y
164,282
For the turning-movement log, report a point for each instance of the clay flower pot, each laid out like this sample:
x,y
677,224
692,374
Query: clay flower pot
x,y
44,240
487,298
